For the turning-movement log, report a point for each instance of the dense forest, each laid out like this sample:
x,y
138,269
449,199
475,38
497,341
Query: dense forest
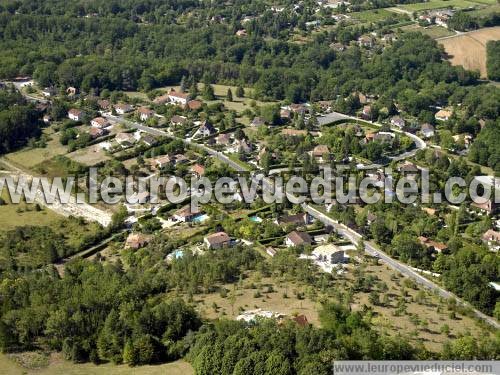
x,y
100,312
492,59
19,121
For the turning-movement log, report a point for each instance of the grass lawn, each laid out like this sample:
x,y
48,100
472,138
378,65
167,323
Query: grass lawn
x,y
29,157
436,4
11,218
374,15
433,31
59,366
137,94
486,11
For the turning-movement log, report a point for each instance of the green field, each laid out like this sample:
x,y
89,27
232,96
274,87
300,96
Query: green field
x,y
14,215
29,157
59,366
375,15
486,11
433,31
436,4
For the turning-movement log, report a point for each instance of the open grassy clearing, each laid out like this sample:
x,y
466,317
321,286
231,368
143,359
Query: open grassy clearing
x,y
255,292
432,313
29,157
433,31
486,10
469,50
89,156
58,366
15,215
423,317
374,15
436,4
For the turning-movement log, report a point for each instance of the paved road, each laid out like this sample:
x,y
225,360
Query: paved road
x,y
157,132
419,142
373,250
343,230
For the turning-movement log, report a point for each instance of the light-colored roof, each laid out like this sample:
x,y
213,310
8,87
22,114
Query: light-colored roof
x,y
320,150
326,250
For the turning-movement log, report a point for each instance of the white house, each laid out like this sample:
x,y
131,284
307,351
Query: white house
x,y
205,130
179,98
75,114
427,130
298,239
123,108
99,122
329,253
145,113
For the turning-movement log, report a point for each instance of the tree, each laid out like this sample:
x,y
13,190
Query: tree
x,y
229,96
240,92
208,92
183,85
492,59
130,355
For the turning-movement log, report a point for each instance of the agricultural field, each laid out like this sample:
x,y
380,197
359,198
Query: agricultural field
x,y
437,4
425,314
469,50
34,363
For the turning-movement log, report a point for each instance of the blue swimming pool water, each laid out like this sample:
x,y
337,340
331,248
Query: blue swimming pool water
x,y
178,254
255,219
200,218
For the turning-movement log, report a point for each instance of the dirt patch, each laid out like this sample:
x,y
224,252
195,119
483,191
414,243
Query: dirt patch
x,y
469,50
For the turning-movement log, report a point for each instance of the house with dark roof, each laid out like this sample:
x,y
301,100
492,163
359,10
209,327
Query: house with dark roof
x,y
206,129
299,219
186,214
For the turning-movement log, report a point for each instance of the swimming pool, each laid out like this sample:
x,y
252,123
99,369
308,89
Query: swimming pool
x,y
178,254
255,219
200,218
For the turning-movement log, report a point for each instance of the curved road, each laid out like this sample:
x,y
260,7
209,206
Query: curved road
x,y
353,236
343,230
